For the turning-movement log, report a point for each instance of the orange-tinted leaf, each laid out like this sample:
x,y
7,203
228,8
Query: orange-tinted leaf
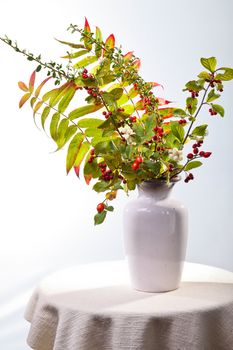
x,y
137,64
22,86
162,101
154,84
128,55
37,92
88,179
140,105
167,112
32,81
24,99
77,170
109,43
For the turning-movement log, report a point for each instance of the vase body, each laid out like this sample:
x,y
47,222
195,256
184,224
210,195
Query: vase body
x,y
155,237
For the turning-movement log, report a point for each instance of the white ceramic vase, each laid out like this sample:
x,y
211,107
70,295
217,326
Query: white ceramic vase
x,y
155,237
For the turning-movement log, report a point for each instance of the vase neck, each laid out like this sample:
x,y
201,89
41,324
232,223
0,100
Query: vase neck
x,y
157,190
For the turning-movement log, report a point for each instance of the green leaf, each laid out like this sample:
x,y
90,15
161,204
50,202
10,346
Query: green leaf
x,y
74,46
61,130
85,61
212,96
149,124
53,125
93,132
81,153
90,123
99,217
73,150
101,186
192,165
92,168
209,63
116,93
98,37
204,75
57,94
178,131
227,75
219,109
193,85
44,115
79,112
66,99
109,208
200,130
191,104
75,54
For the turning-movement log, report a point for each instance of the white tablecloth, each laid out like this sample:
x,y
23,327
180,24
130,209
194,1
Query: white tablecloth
x,y
93,307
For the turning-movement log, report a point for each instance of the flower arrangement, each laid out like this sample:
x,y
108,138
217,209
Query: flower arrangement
x,y
132,134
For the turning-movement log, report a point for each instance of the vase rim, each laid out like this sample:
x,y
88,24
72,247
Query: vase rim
x,y
162,181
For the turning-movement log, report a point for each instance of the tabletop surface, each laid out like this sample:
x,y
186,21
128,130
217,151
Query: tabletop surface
x,y
105,286
93,307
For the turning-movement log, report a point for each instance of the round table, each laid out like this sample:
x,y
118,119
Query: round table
x,y
92,307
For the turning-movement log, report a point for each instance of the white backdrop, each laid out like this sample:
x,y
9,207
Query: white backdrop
x,y
46,217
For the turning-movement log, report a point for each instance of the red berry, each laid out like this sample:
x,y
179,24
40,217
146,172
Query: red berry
x,y
135,165
100,207
139,159
190,156
186,180
190,176
85,76
207,154
195,151
85,70
201,154
92,151
133,119
195,145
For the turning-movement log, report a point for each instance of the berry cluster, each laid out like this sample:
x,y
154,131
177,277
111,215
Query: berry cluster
x,y
136,164
212,112
194,93
92,153
158,133
182,121
107,175
189,177
197,153
85,74
107,114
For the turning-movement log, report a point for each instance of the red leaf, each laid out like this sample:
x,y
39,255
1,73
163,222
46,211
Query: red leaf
x,y
77,170
22,86
128,55
32,81
86,26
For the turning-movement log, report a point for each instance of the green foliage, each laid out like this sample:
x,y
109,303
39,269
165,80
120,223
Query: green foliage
x,y
209,63
130,121
192,165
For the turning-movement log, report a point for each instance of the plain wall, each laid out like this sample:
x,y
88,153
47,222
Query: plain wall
x,y
47,217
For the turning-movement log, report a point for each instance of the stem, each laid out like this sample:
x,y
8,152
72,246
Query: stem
x,y
196,114
32,58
